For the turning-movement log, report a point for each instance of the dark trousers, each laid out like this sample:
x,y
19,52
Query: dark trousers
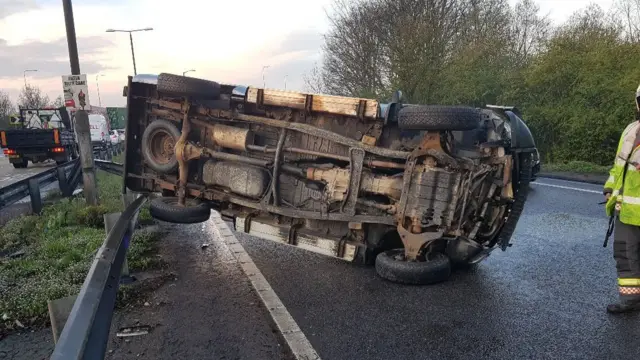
x,y
626,252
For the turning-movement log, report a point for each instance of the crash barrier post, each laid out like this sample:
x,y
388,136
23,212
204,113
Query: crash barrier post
x,y
31,186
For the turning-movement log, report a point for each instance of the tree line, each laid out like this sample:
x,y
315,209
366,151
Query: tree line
x,y
574,82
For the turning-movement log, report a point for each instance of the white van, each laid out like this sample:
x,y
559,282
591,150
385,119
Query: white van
x,y
99,128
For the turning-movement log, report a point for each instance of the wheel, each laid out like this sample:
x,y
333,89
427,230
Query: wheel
x,y
438,118
67,157
158,143
391,265
187,86
21,165
167,209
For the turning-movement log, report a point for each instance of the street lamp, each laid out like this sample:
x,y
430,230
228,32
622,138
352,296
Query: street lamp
x,y
98,86
131,39
184,72
24,74
264,84
285,82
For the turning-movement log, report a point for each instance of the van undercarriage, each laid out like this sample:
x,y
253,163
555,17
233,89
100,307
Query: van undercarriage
x,y
413,188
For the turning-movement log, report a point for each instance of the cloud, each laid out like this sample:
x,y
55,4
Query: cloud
x,y
52,58
308,40
10,7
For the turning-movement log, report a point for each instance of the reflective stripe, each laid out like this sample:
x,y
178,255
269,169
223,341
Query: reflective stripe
x,y
615,193
620,162
611,179
631,200
629,282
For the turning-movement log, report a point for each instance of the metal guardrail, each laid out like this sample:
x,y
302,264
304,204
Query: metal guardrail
x,y
68,176
86,331
110,167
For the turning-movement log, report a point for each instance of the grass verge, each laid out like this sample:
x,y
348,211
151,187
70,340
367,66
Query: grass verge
x,y
48,256
578,167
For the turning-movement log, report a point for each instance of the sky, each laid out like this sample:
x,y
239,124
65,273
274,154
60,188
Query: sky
x,y
225,41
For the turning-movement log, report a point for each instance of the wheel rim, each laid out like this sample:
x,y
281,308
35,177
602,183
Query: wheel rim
x,y
161,146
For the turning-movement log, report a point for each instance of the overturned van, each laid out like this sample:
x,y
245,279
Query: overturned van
x,y
413,188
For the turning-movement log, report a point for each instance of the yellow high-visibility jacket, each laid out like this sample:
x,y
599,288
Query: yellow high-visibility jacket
x,y
628,204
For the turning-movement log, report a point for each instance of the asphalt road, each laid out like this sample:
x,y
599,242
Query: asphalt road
x,y
9,174
544,298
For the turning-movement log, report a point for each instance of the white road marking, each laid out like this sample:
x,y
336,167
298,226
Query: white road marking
x,y
567,188
289,329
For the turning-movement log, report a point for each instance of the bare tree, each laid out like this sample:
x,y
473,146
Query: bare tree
x,y
591,22
353,60
32,97
627,14
58,102
314,82
6,106
529,30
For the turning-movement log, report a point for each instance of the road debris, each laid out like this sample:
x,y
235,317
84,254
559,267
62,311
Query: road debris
x,y
133,331
204,246
17,254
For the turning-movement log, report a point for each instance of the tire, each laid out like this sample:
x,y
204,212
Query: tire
x,y
435,270
438,118
21,165
188,87
67,157
152,152
167,209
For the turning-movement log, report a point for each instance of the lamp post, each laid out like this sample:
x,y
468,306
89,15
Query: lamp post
x,y
184,72
98,86
24,74
133,56
285,82
264,84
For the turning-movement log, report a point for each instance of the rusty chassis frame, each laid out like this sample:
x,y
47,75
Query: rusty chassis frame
x,y
414,237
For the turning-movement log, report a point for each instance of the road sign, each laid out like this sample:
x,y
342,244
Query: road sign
x,y
76,92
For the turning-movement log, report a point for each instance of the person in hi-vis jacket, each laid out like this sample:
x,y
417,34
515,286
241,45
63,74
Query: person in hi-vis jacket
x,y
622,192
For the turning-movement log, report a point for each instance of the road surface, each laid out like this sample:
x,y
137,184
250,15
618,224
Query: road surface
x,y
9,174
544,298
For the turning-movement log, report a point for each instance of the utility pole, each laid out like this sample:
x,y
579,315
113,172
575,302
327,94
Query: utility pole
x,y
264,83
133,55
285,82
98,87
81,118
71,37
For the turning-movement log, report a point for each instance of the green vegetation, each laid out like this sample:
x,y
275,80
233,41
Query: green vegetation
x,y
573,82
59,246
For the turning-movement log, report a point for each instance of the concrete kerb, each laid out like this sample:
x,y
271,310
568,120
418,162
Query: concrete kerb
x,y
295,339
588,179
